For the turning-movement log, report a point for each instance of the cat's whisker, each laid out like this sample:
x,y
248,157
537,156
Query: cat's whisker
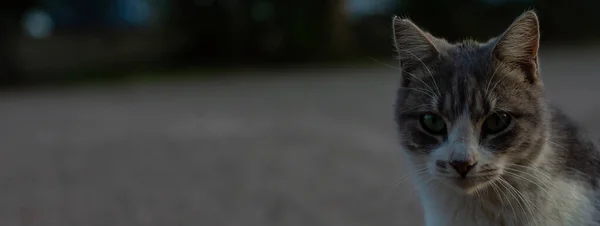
x,y
410,174
487,87
427,181
477,195
513,192
423,82
499,80
542,184
411,109
486,175
557,145
423,91
544,188
524,169
510,204
428,70
384,64
535,170
497,193
530,205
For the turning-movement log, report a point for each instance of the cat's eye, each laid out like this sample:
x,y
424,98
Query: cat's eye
x,y
433,123
496,123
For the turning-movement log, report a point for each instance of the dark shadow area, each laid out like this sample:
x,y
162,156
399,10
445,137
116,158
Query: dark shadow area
x,y
51,41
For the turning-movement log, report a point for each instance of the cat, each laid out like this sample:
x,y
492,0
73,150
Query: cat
x,y
484,144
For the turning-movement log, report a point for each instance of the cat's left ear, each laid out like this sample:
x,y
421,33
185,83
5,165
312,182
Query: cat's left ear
x,y
413,45
518,46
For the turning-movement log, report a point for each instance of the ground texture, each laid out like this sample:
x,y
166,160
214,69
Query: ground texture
x,y
287,150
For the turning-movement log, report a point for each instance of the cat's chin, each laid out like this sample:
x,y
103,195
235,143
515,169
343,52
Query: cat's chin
x,y
469,186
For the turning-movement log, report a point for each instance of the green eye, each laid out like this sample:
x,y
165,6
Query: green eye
x,y
432,123
496,123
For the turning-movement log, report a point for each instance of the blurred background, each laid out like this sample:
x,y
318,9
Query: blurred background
x,y
234,112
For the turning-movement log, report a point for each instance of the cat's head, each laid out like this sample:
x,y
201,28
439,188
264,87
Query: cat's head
x,y
470,112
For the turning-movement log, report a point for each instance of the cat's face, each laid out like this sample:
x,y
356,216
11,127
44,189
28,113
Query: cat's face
x,y
470,112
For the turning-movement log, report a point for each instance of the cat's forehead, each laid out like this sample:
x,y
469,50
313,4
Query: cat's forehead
x,y
464,69
465,78
467,57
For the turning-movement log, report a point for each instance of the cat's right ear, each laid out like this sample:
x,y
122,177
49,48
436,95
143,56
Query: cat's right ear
x,y
518,46
413,45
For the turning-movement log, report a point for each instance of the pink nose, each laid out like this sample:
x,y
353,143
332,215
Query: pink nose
x,y
462,167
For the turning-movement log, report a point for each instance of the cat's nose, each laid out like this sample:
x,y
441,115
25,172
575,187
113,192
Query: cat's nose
x,y
462,167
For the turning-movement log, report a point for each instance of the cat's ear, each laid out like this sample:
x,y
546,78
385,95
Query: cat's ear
x,y
413,45
518,45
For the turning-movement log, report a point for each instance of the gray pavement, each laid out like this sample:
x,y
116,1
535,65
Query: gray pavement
x,y
278,151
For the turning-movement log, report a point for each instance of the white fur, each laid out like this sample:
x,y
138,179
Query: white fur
x,y
568,207
564,202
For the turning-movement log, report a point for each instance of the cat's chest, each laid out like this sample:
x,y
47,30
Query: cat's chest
x,y
455,211
444,208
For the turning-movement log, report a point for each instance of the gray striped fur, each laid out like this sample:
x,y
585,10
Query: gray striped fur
x,y
541,170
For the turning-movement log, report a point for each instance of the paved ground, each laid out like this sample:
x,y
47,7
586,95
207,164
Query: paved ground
x,y
287,151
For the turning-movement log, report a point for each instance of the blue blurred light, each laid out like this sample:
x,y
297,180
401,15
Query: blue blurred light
x,y
134,12
38,23
360,8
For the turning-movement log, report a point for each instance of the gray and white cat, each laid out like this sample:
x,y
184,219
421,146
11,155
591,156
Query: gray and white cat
x,y
485,145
